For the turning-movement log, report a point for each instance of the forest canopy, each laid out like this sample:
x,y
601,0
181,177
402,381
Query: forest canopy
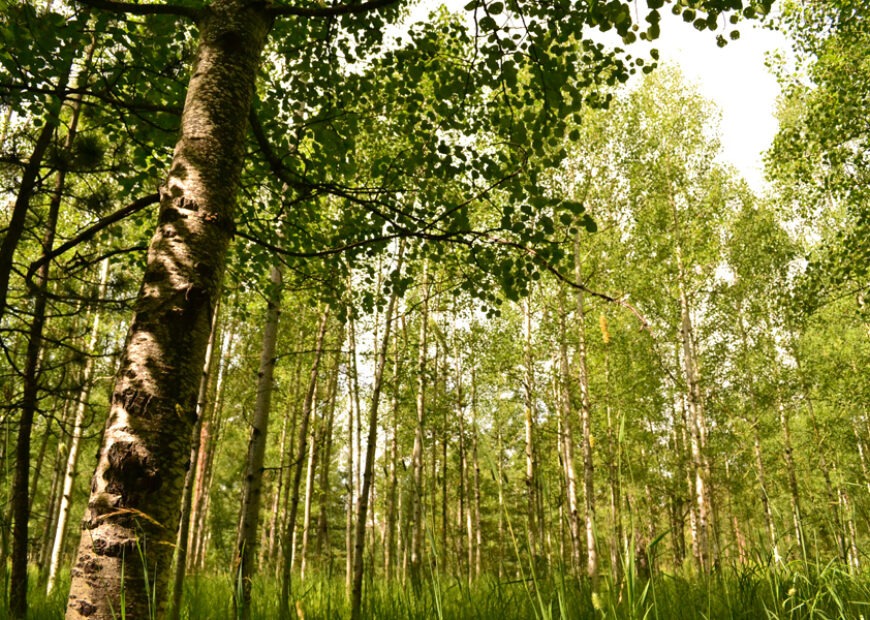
x,y
352,297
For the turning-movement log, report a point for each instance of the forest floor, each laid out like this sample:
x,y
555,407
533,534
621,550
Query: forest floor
x,y
751,591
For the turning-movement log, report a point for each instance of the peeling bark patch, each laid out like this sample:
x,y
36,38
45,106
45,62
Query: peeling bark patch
x,y
131,468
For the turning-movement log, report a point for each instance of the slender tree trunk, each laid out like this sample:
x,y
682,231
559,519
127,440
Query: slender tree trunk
x,y
417,455
310,468
352,486
586,425
765,496
501,505
60,463
478,536
528,384
246,551
75,442
392,477
275,508
792,476
371,442
289,551
209,434
179,566
141,466
323,516
568,440
613,463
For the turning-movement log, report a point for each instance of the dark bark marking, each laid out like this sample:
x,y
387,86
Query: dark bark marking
x,y
132,470
85,608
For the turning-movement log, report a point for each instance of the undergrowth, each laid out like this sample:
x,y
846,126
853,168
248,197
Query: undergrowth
x,y
754,591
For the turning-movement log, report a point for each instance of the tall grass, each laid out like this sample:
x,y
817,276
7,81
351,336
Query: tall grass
x,y
758,590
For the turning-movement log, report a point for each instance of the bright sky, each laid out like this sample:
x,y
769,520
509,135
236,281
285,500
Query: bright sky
x,y
733,77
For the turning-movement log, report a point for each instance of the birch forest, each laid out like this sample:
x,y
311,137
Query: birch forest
x,y
384,309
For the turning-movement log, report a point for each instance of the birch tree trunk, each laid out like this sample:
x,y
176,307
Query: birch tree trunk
x,y
179,567
286,584
417,454
332,398
792,475
586,425
246,547
209,435
315,439
371,442
75,442
478,536
528,384
392,477
568,440
140,473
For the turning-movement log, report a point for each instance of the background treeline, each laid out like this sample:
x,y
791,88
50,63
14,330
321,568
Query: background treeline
x,y
646,369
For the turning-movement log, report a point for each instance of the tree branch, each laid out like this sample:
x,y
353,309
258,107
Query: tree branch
x,y
131,8
89,232
331,11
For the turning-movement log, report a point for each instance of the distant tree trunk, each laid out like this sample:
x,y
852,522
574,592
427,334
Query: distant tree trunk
x,y
696,432
332,398
208,437
478,536
417,454
315,439
501,505
58,470
371,442
840,533
797,515
765,496
289,551
75,441
464,496
528,384
586,424
246,551
568,439
274,510
613,448
352,487
392,477
141,467
179,566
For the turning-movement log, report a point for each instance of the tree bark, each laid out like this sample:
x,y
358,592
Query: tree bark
x,y
246,547
586,425
132,515
568,440
179,566
371,442
326,464
417,454
528,384
75,442
392,477
288,542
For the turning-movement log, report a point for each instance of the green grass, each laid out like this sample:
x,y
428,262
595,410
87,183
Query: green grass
x,y
756,591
